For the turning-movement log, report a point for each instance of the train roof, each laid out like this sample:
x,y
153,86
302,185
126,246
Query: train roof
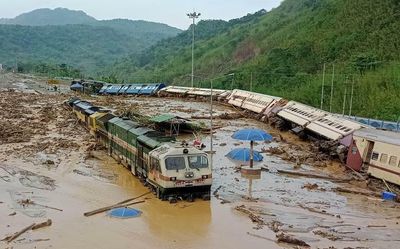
x,y
153,143
175,149
300,114
83,105
105,118
248,94
389,137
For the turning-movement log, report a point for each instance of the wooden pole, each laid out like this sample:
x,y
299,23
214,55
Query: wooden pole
x,y
104,209
119,204
43,224
17,234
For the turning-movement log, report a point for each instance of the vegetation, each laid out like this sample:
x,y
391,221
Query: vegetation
x,y
51,71
283,53
43,17
62,36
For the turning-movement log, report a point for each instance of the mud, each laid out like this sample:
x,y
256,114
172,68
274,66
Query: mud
x,y
46,157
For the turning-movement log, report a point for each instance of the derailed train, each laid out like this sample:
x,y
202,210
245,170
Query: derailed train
x,y
173,170
338,135
360,146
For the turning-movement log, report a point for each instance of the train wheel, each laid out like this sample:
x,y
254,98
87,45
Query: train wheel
x,y
190,198
158,192
206,197
172,200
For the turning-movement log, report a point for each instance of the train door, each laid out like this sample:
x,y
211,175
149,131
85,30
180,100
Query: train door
x,y
368,152
354,159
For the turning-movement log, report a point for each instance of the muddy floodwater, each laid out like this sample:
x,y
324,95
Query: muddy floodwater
x,y
49,159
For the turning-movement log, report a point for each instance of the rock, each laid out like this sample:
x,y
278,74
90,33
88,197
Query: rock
x,y
49,162
310,186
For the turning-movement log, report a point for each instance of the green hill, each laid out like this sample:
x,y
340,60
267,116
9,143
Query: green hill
x,y
283,52
42,17
63,36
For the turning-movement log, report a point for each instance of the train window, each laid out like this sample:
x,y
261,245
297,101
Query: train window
x,y
198,162
384,158
175,163
393,161
374,156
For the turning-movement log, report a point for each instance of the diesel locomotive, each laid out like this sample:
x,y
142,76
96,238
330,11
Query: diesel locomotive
x,y
174,170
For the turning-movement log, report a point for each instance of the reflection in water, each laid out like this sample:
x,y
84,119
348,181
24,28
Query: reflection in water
x,y
181,221
164,220
251,178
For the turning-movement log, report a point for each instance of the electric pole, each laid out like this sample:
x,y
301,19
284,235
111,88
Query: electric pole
x,y
333,77
322,89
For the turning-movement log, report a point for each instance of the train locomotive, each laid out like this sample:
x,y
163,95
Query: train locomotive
x,y
173,170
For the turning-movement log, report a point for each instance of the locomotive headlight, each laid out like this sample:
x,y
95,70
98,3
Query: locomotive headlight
x,y
204,176
185,151
172,179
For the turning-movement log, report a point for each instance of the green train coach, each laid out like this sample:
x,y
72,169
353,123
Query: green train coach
x,y
173,170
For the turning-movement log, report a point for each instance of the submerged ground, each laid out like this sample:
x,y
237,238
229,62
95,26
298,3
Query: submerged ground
x,y
46,157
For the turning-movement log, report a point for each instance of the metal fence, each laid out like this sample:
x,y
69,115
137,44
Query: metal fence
x,y
379,124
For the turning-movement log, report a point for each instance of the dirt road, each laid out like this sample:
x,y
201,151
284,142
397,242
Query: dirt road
x,y
44,158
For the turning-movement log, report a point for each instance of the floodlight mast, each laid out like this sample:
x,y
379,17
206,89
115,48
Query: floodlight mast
x,y
193,16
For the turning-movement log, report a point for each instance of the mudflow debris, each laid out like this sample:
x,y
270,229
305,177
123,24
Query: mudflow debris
x,y
51,167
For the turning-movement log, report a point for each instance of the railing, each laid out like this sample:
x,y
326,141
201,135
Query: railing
x,y
379,124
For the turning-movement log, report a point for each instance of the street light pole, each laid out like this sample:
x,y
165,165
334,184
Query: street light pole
x,y
193,16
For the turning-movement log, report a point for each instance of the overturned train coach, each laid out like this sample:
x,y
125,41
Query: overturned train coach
x,y
173,170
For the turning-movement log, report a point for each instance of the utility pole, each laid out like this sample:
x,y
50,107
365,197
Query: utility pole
x,y
351,96
16,65
193,16
344,97
333,77
251,81
211,125
322,89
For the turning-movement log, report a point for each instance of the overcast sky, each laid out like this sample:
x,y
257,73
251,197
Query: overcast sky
x,y
172,12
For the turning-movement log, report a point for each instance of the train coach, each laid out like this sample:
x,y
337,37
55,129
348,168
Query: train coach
x,y
132,89
173,170
180,91
321,123
377,152
255,102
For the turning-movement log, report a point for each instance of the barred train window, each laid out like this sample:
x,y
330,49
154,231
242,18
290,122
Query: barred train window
x,y
374,156
392,161
384,158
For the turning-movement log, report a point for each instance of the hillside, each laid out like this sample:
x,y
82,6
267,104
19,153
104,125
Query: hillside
x,y
283,52
42,17
63,36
